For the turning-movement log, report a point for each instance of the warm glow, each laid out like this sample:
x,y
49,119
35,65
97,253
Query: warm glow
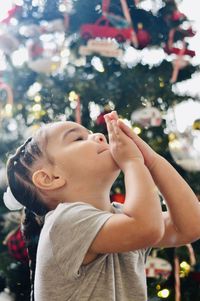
x,y
164,293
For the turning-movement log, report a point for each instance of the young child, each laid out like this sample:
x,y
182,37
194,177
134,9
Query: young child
x,y
90,249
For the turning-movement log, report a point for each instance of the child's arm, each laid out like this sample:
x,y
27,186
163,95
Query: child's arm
x,y
183,216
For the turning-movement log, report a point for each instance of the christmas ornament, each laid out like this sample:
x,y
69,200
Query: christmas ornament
x,y
103,28
118,197
158,267
147,117
16,245
143,37
177,16
43,58
169,48
100,118
184,139
103,47
118,21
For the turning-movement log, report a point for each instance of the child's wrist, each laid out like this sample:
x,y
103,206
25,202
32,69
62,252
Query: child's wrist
x,y
132,163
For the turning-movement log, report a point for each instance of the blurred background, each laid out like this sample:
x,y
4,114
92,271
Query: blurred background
x,y
77,60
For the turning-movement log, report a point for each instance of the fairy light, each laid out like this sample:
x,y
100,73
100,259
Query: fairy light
x,y
97,64
36,108
73,96
37,98
8,109
137,130
185,269
164,293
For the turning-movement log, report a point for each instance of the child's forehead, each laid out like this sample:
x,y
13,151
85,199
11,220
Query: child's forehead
x,y
57,128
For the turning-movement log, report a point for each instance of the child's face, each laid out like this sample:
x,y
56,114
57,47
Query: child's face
x,y
78,153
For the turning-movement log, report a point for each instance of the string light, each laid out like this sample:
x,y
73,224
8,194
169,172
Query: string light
x,y
37,98
164,293
73,96
137,130
185,269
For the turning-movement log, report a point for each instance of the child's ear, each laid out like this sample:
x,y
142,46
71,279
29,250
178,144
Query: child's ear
x,y
43,179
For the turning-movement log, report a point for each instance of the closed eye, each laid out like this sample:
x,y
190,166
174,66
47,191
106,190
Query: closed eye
x,y
79,139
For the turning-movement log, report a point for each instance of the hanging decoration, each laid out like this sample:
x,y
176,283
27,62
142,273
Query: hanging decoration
x,y
104,47
157,267
180,62
100,118
103,28
44,57
109,26
147,117
184,134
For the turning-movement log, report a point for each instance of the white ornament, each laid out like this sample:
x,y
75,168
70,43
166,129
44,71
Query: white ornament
x,y
147,117
157,267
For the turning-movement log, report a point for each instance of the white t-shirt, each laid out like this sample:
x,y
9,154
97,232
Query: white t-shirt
x,y
64,241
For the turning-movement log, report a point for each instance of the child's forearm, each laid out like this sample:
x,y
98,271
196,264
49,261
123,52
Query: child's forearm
x,y
182,203
142,200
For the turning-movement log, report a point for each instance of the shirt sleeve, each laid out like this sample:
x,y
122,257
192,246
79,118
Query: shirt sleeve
x,y
74,229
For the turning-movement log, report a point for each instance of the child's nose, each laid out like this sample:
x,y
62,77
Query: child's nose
x,y
100,138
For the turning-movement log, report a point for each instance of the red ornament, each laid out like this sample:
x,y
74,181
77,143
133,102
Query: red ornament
x,y
143,37
100,119
16,246
118,197
178,16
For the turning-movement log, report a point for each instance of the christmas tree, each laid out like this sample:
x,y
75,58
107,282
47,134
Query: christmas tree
x,y
77,60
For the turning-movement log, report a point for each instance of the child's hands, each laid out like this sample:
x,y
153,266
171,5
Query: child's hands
x,y
122,147
148,153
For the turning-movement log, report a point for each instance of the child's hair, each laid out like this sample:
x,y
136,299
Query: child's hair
x,y
19,174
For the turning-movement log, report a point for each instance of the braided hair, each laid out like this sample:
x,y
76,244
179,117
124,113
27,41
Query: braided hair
x,y
19,173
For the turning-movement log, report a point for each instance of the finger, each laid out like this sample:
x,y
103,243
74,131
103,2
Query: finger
x,y
110,129
114,115
125,129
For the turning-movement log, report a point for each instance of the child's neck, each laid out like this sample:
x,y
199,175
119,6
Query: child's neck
x,y
100,199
